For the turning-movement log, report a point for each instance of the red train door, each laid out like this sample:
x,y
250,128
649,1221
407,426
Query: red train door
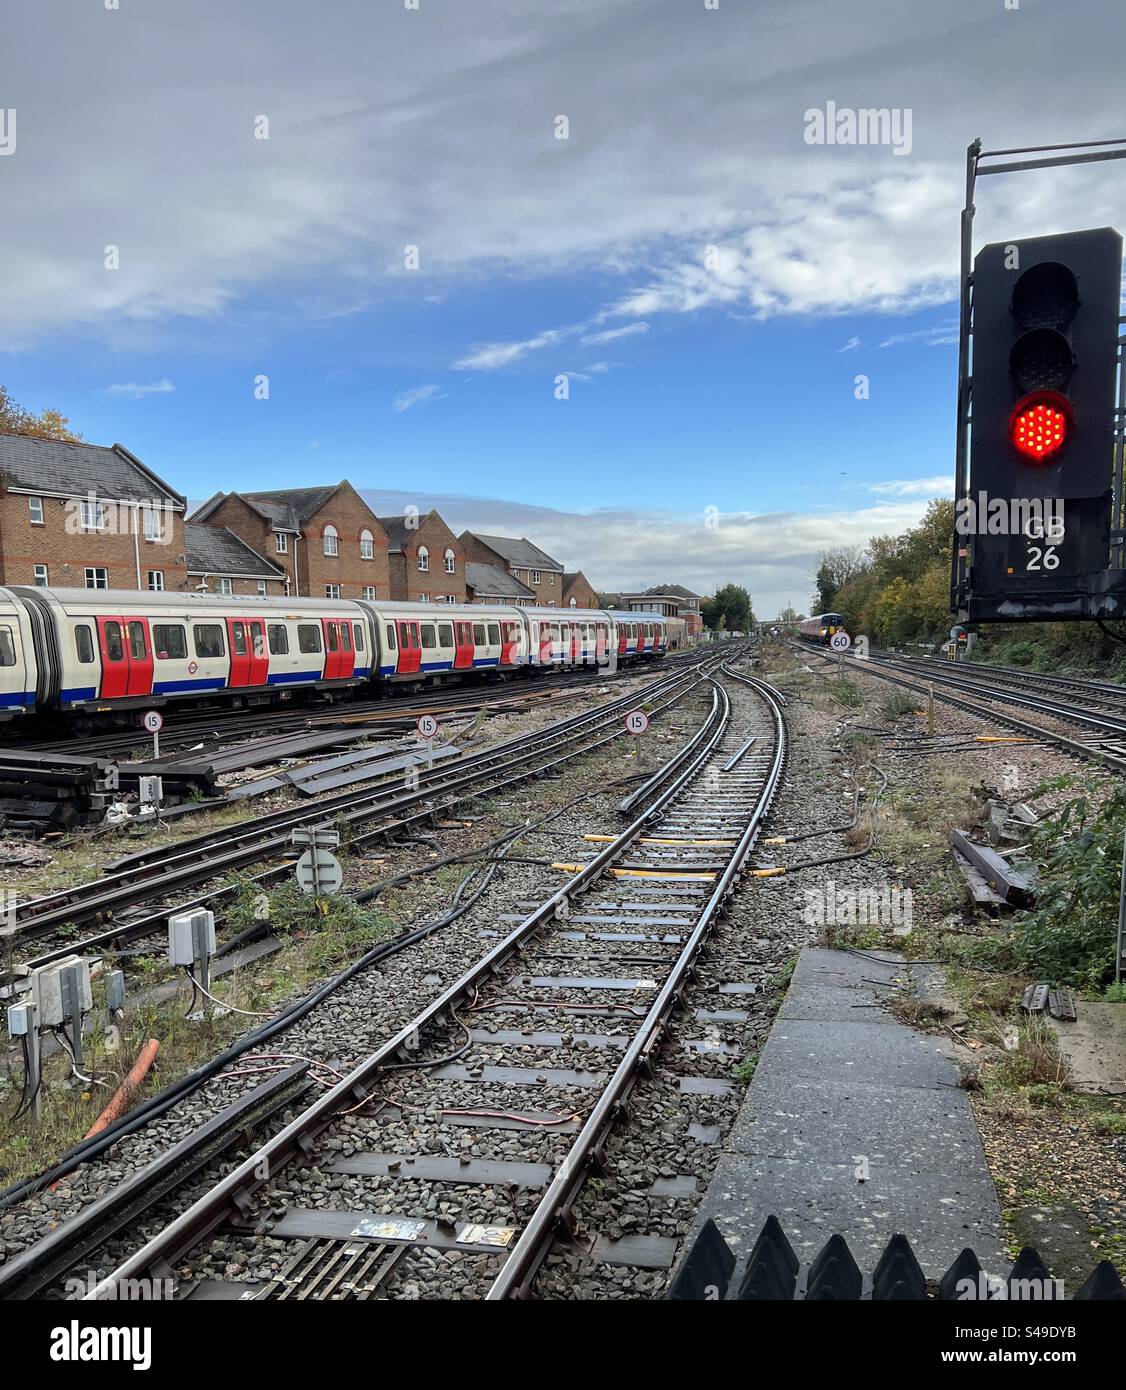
x,y
139,652
259,653
508,646
600,643
640,638
332,649
545,644
347,655
623,638
410,648
463,646
237,641
115,661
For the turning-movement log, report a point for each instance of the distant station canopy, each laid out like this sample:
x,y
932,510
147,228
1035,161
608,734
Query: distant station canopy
x,y
1039,526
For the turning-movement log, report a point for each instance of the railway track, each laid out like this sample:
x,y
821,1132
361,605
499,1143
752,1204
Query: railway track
x,y
144,883
567,1008
981,695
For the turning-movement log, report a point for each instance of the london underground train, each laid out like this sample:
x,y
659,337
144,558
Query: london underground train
x,y
94,652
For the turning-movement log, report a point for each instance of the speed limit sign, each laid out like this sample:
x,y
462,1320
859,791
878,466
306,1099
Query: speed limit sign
x,y
840,641
427,725
154,721
637,721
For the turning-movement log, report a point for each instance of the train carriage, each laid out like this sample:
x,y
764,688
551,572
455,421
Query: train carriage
x,y
436,641
821,627
109,648
640,635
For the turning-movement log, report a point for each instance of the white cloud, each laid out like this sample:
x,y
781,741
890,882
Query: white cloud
x,y
611,335
851,346
941,335
941,486
773,554
492,356
417,396
133,392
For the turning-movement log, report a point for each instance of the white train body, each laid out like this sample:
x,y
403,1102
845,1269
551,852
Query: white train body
x,y
101,650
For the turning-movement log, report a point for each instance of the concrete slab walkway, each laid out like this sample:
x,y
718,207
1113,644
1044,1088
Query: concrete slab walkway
x,y
854,1123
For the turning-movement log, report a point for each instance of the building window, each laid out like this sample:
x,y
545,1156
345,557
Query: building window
x,y
226,587
535,576
96,577
551,577
451,598
261,588
424,598
93,518
423,560
35,510
332,541
156,581
332,591
369,591
281,542
574,603
551,603
41,580
367,546
154,531
450,562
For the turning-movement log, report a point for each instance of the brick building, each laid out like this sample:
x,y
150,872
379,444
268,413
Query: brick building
x,y
490,584
518,557
425,560
84,515
327,540
674,601
578,591
220,563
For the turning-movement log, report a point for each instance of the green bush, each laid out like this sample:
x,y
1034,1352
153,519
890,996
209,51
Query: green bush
x,y
1069,936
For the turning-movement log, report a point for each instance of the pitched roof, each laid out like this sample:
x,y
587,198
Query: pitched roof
x,y
55,465
519,551
491,582
286,509
217,550
677,589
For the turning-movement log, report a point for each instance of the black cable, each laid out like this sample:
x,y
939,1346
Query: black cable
x,y
1114,636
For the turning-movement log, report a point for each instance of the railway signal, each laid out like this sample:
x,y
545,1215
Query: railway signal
x,y
1035,524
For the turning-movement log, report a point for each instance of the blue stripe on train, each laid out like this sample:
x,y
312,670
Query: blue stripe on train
x,y
18,697
437,666
179,687
292,677
81,692
486,661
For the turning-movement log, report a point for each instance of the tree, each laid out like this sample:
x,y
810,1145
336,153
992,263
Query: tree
x,y
835,568
49,424
729,609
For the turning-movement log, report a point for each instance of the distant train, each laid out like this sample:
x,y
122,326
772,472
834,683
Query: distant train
x,y
100,651
821,627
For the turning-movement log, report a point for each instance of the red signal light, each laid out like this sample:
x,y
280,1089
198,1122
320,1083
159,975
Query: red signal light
x,y
1040,425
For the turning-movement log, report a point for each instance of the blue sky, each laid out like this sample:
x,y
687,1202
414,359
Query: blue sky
x,y
693,383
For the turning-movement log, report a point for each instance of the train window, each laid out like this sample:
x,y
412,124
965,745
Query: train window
x,y
359,631
346,636
279,639
169,641
479,634
137,648
7,647
208,639
84,644
308,638
445,635
114,650
429,636
238,639
257,641
332,642
390,637
494,634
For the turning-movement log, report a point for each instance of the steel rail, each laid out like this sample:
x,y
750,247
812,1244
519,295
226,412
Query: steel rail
x,y
895,676
234,1192
195,860
519,1269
